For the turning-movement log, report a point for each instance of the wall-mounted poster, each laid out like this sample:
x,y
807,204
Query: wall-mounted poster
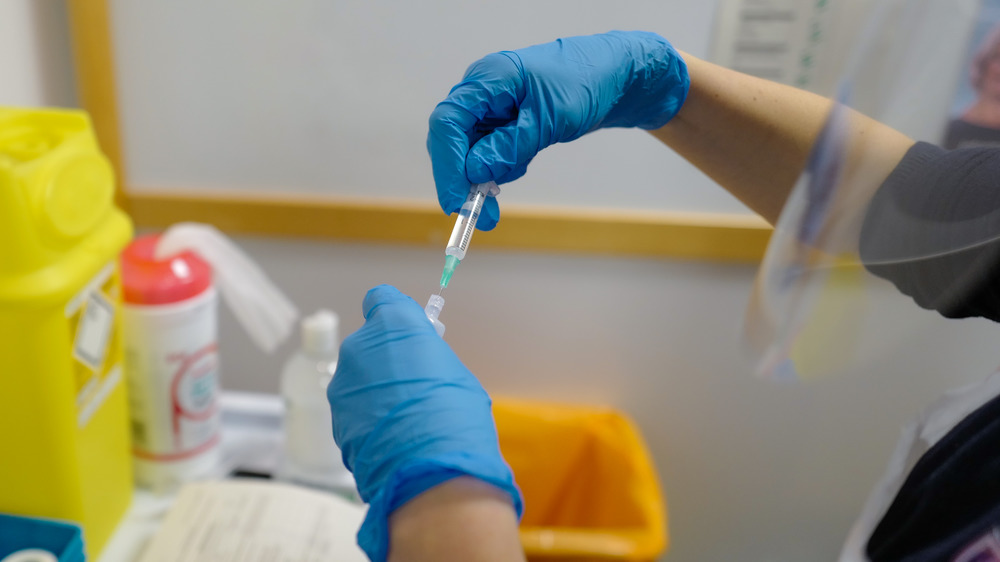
x,y
779,40
975,113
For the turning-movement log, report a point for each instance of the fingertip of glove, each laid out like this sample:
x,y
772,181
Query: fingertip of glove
x,y
382,294
477,171
484,164
489,216
451,201
492,156
638,34
448,117
498,63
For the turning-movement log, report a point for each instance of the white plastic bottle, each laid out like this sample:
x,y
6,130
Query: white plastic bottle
x,y
311,456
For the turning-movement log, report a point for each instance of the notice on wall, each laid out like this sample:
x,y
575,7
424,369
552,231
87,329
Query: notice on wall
x,y
780,40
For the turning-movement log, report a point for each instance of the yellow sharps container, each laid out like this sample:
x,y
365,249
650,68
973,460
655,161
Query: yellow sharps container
x,y
64,439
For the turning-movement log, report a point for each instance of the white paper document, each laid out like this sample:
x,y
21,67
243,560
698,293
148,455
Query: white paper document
x,y
257,521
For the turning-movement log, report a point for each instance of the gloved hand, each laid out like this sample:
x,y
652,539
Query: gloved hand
x,y
407,414
512,104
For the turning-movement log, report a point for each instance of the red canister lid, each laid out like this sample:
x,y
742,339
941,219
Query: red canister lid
x,y
149,281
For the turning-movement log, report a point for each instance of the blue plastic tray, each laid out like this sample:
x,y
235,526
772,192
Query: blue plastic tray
x,y
64,540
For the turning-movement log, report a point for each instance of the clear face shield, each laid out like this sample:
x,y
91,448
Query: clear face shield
x,y
821,303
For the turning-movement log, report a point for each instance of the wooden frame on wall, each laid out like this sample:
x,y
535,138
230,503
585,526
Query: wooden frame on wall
x,y
718,237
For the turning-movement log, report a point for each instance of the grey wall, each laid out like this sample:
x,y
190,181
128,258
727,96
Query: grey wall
x,y
35,54
333,97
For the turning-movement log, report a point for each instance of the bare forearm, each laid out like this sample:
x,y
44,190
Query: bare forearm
x,y
753,136
463,519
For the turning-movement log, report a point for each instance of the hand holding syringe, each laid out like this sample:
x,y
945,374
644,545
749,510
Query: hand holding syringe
x,y
458,244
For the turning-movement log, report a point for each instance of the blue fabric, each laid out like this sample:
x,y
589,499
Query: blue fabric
x,y
951,497
512,104
408,415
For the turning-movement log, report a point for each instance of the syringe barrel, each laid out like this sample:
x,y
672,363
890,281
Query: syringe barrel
x,y
465,224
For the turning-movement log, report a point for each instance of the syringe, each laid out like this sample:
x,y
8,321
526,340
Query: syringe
x,y
465,225
458,245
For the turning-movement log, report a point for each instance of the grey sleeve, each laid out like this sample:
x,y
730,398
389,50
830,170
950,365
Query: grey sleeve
x,y
933,229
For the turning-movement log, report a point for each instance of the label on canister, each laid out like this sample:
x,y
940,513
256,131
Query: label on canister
x,y
171,360
91,315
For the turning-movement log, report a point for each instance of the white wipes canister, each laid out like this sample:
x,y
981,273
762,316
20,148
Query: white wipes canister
x,y
171,360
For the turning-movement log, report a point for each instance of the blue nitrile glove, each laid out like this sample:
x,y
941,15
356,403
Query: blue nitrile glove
x,y
512,104
407,414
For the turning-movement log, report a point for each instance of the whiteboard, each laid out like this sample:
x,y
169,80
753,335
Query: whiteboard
x,y
332,97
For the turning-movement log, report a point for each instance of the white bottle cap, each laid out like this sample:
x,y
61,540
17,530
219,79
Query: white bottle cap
x,y
319,332
433,311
